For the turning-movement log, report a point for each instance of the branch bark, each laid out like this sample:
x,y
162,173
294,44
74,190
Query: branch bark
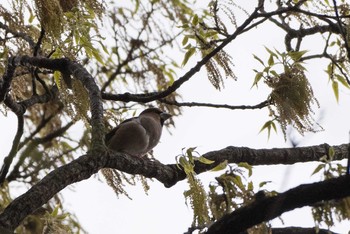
x,y
87,165
271,207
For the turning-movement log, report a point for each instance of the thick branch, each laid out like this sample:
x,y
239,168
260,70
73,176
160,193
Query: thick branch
x,y
87,165
79,72
266,209
79,169
300,230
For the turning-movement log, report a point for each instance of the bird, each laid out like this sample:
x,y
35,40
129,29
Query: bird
x,y
139,135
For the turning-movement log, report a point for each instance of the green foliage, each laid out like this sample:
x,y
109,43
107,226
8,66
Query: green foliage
x,y
205,37
118,180
196,194
268,126
76,101
329,211
233,190
336,74
291,97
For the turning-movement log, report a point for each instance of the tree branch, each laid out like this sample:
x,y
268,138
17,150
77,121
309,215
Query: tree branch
x,y
79,169
81,74
192,104
8,159
268,208
87,165
144,98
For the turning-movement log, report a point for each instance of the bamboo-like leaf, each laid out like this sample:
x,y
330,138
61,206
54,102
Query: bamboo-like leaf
x,y
220,166
296,55
188,55
318,168
96,54
271,61
262,184
238,181
185,40
257,78
54,213
335,88
331,153
250,186
246,166
195,20
271,52
343,81
205,160
57,78
257,58
268,125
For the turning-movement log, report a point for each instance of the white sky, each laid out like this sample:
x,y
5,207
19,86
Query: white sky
x,y
164,210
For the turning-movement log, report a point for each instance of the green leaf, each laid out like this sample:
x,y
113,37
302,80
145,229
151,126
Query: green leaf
x,y
188,55
103,47
324,158
335,90
257,58
296,55
246,166
257,78
262,184
205,160
195,20
271,52
274,73
238,181
329,69
342,80
187,167
211,34
55,211
250,186
57,78
268,125
189,153
96,54
185,40
62,216
31,16
220,166
270,62
331,153
318,168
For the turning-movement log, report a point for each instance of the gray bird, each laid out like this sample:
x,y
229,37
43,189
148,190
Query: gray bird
x,y
139,135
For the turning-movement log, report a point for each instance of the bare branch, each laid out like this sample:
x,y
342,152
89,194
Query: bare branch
x,y
8,160
195,104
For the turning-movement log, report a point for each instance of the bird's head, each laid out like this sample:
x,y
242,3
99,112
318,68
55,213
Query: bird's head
x,y
163,116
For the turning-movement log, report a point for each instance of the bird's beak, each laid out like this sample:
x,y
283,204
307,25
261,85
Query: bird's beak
x,y
164,116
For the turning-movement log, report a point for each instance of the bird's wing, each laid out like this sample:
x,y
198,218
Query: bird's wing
x,y
111,133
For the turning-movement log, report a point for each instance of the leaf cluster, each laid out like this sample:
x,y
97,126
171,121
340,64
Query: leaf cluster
x,y
291,98
203,35
329,211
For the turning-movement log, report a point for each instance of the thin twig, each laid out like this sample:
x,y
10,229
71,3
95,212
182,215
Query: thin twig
x,y
197,104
